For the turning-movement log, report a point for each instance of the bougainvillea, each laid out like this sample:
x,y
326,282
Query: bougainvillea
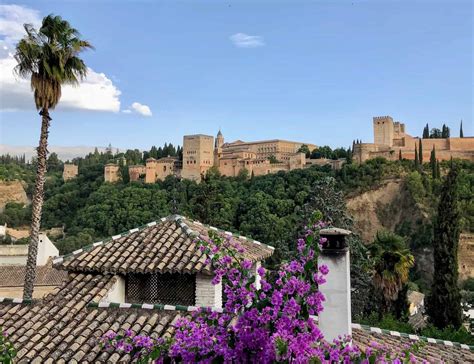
x,y
266,318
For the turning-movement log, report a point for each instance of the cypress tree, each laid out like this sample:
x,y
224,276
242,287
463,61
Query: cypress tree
x,y
420,153
438,170
426,132
461,133
416,156
444,302
400,155
433,163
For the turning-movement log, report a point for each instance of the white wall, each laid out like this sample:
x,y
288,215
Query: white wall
x,y
335,319
117,292
207,294
46,249
17,254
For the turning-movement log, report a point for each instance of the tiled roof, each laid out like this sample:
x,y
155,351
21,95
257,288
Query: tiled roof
x,y
165,246
46,275
64,327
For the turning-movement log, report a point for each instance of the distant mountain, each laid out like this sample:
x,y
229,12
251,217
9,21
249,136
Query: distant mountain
x,y
64,153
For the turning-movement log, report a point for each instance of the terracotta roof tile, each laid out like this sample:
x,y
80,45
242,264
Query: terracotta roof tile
x,y
166,246
46,275
73,335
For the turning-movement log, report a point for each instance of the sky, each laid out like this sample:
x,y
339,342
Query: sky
x,y
310,71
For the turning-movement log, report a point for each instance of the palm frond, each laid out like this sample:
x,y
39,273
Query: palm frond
x,y
50,57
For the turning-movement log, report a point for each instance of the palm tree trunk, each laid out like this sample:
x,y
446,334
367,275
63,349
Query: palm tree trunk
x,y
37,206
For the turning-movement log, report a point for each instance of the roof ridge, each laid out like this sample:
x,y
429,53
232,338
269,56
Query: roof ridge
x,y
162,307
178,219
25,301
411,336
62,258
228,233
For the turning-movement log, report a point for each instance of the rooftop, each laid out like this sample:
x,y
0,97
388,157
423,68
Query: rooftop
x,y
66,325
164,246
46,275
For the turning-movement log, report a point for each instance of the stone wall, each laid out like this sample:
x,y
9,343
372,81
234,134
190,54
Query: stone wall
x,y
111,173
70,171
466,256
135,172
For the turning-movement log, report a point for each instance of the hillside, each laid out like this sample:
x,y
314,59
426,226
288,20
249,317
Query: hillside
x,y
12,191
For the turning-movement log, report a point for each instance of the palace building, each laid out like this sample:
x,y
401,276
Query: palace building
x,y
392,141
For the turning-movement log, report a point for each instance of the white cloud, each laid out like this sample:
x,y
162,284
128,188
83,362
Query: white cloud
x,y
243,40
141,109
97,92
127,111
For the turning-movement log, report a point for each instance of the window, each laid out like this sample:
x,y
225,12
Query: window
x,y
166,289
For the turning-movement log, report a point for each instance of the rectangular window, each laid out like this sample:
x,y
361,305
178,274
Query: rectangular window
x,y
166,289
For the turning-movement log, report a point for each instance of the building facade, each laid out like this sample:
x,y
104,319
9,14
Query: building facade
x,y
198,156
203,152
392,141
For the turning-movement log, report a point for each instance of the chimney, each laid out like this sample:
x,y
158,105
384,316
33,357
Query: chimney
x,y
335,319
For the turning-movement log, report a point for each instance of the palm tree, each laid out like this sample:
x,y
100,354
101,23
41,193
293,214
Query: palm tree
x,y
49,58
392,263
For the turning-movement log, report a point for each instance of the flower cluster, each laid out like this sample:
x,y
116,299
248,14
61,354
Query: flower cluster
x,y
266,318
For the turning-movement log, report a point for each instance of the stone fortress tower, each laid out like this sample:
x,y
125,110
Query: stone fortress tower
x,y
198,156
391,141
70,171
112,173
218,148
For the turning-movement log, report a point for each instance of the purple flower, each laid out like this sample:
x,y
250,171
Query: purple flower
x,y
324,269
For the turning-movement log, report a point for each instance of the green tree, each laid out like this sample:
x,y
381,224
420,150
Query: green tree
x,y
49,57
420,152
444,302
445,132
273,159
461,133
400,155
304,149
426,132
435,133
53,164
417,161
392,263
433,163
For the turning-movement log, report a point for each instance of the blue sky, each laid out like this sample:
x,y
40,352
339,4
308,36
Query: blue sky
x,y
301,70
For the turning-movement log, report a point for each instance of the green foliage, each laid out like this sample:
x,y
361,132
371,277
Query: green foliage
x,y
420,152
460,335
304,149
416,188
426,131
444,303
328,153
392,262
390,322
15,214
461,132
273,159
387,322
435,133
7,350
327,201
